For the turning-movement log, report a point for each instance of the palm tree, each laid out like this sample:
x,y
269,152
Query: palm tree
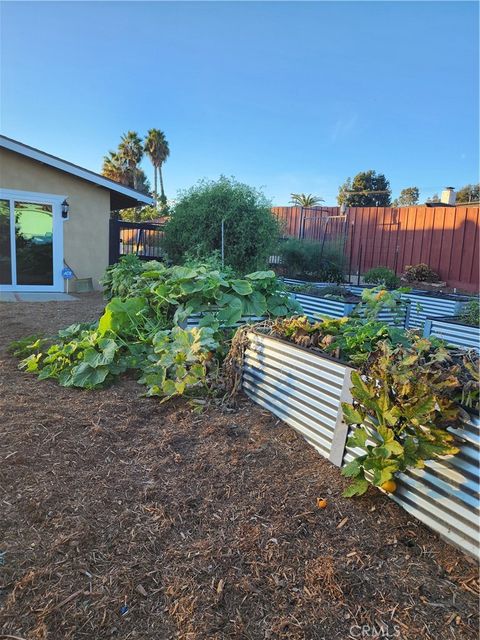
x,y
115,168
131,149
157,149
303,200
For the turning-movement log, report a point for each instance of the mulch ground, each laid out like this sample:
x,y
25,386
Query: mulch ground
x,y
127,519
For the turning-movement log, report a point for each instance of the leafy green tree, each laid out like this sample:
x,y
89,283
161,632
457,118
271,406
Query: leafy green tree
x,y
367,189
157,149
131,150
251,231
408,197
139,214
115,168
434,198
122,165
468,193
143,183
304,200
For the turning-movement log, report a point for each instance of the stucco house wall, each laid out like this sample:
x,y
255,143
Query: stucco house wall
x,y
86,232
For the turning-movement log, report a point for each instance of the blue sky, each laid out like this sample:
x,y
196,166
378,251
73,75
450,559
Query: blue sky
x,y
288,96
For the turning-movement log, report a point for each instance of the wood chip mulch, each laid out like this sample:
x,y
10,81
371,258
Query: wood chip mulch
x,y
126,519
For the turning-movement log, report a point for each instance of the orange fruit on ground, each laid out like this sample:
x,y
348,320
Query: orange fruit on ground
x,y
321,503
389,486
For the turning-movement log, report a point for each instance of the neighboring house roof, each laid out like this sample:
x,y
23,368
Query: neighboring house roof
x,y
439,204
121,197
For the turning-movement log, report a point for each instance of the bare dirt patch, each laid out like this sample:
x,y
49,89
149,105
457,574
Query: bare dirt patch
x,y
124,518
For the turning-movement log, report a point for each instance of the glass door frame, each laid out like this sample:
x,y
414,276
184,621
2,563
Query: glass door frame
x,y
55,201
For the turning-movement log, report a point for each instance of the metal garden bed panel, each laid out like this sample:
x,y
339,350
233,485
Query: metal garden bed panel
x,y
422,307
302,388
294,282
194,320
314,306
456,333
445,494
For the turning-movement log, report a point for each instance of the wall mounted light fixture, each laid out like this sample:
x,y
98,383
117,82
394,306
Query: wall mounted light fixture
x,y
65,209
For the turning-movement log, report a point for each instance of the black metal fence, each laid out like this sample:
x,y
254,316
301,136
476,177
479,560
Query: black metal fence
x,y
142,239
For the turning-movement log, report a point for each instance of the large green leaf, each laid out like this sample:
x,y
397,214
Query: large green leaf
x,y
242,287
357,488
254,304
358,438
351,415
278,305
121,316
192,286
261,275
394,447
353,468
107,354
87,377
230,315
360,390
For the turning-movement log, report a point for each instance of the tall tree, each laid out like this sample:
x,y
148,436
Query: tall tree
x,y
304,200
367,189
408,197
468,193
157,149
115,168
131,149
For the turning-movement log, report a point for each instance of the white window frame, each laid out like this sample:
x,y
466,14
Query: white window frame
x,y
57,229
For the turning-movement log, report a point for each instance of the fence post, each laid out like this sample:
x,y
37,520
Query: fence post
x,y
408,306
114,241
359,264
427,329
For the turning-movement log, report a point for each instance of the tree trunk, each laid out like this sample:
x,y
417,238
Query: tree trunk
x,y
155,169
133,173
161,182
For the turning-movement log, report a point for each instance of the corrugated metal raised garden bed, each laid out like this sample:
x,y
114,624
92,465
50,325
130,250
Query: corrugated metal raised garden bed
x,y
453,331
423,304
301,387
315,306
305,388
445,494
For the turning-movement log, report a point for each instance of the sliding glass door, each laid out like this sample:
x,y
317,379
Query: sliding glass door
x,y
31,242
5,244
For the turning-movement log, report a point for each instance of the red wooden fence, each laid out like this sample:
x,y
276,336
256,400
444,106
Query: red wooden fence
x,y
445,238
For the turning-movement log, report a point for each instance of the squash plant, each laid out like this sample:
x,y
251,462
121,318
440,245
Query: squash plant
x,y
175,293
169,362
406,391
140,332
350,338
404,398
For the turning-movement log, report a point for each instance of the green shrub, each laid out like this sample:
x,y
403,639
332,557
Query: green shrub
x,y
251,231
470,314
212,262
119,278
382,276
311,260
420,273
335,292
